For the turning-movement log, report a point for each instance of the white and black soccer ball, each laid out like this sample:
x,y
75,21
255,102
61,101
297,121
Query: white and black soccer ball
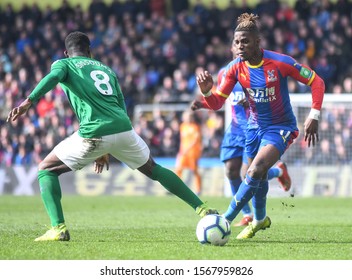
x,y
214,230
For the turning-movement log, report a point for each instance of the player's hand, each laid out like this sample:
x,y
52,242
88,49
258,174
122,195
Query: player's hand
x,y
311,131
205,82
99,163
20,110
196,105
243,102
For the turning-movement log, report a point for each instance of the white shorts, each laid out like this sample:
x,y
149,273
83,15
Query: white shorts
x,y
128,147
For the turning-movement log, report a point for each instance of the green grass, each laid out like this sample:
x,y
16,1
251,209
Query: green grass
x,y
163,228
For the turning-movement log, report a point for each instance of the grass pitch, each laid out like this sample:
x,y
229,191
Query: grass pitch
x,y
163,228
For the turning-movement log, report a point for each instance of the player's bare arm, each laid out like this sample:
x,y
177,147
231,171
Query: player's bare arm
x,y
100,162
311,131
20,110
205,82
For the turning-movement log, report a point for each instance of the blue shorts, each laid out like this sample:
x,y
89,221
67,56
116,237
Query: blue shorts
x,y
279,136
232,146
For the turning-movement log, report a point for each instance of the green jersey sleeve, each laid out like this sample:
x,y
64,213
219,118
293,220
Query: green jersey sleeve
x,y
49,82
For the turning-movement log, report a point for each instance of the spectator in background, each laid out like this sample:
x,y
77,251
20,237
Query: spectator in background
x,y
325,155
22,157
347,85
325,70
158,7
169,143
45,106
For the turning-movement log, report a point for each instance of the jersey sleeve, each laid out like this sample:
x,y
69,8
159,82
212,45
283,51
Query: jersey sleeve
x,y
226,82
300,72
56,75
305,75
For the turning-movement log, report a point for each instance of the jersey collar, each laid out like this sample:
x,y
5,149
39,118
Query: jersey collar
x,y
254,66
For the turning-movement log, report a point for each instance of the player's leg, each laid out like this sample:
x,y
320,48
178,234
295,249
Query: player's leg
x,y
261,221
284,177
233,173
233,156
136,155
281,173
73,153
258,168
272,147
170,181
48,177
274,172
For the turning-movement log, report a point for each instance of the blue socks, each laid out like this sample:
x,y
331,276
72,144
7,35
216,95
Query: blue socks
x,y
249,188
259,201
246,191
235,184
273,172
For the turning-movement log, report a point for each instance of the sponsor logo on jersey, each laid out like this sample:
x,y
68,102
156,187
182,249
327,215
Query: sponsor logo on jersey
x,y
262,95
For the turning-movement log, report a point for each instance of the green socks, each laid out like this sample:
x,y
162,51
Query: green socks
x,y
51,195
170,181
51,191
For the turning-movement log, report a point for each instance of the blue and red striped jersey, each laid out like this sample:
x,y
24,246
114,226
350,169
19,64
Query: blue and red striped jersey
x,y
265,86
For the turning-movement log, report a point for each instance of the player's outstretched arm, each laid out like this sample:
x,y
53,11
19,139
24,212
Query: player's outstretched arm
x,y
311,125
20,110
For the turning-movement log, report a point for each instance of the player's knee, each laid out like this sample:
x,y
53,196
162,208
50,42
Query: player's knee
x,y
232,173
150,169
256,171
42,166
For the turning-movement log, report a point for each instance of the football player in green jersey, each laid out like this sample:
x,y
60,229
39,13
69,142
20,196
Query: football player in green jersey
x,y
94,93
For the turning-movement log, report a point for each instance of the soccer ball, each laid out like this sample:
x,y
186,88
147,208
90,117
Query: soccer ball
x,y
214,230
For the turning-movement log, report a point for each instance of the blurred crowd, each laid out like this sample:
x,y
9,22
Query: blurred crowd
x,y
156,47
335,138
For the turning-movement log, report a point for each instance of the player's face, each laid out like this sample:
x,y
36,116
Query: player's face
x,y
245,44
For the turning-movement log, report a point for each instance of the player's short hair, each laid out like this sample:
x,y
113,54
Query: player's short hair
x,y
248,22
77,41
